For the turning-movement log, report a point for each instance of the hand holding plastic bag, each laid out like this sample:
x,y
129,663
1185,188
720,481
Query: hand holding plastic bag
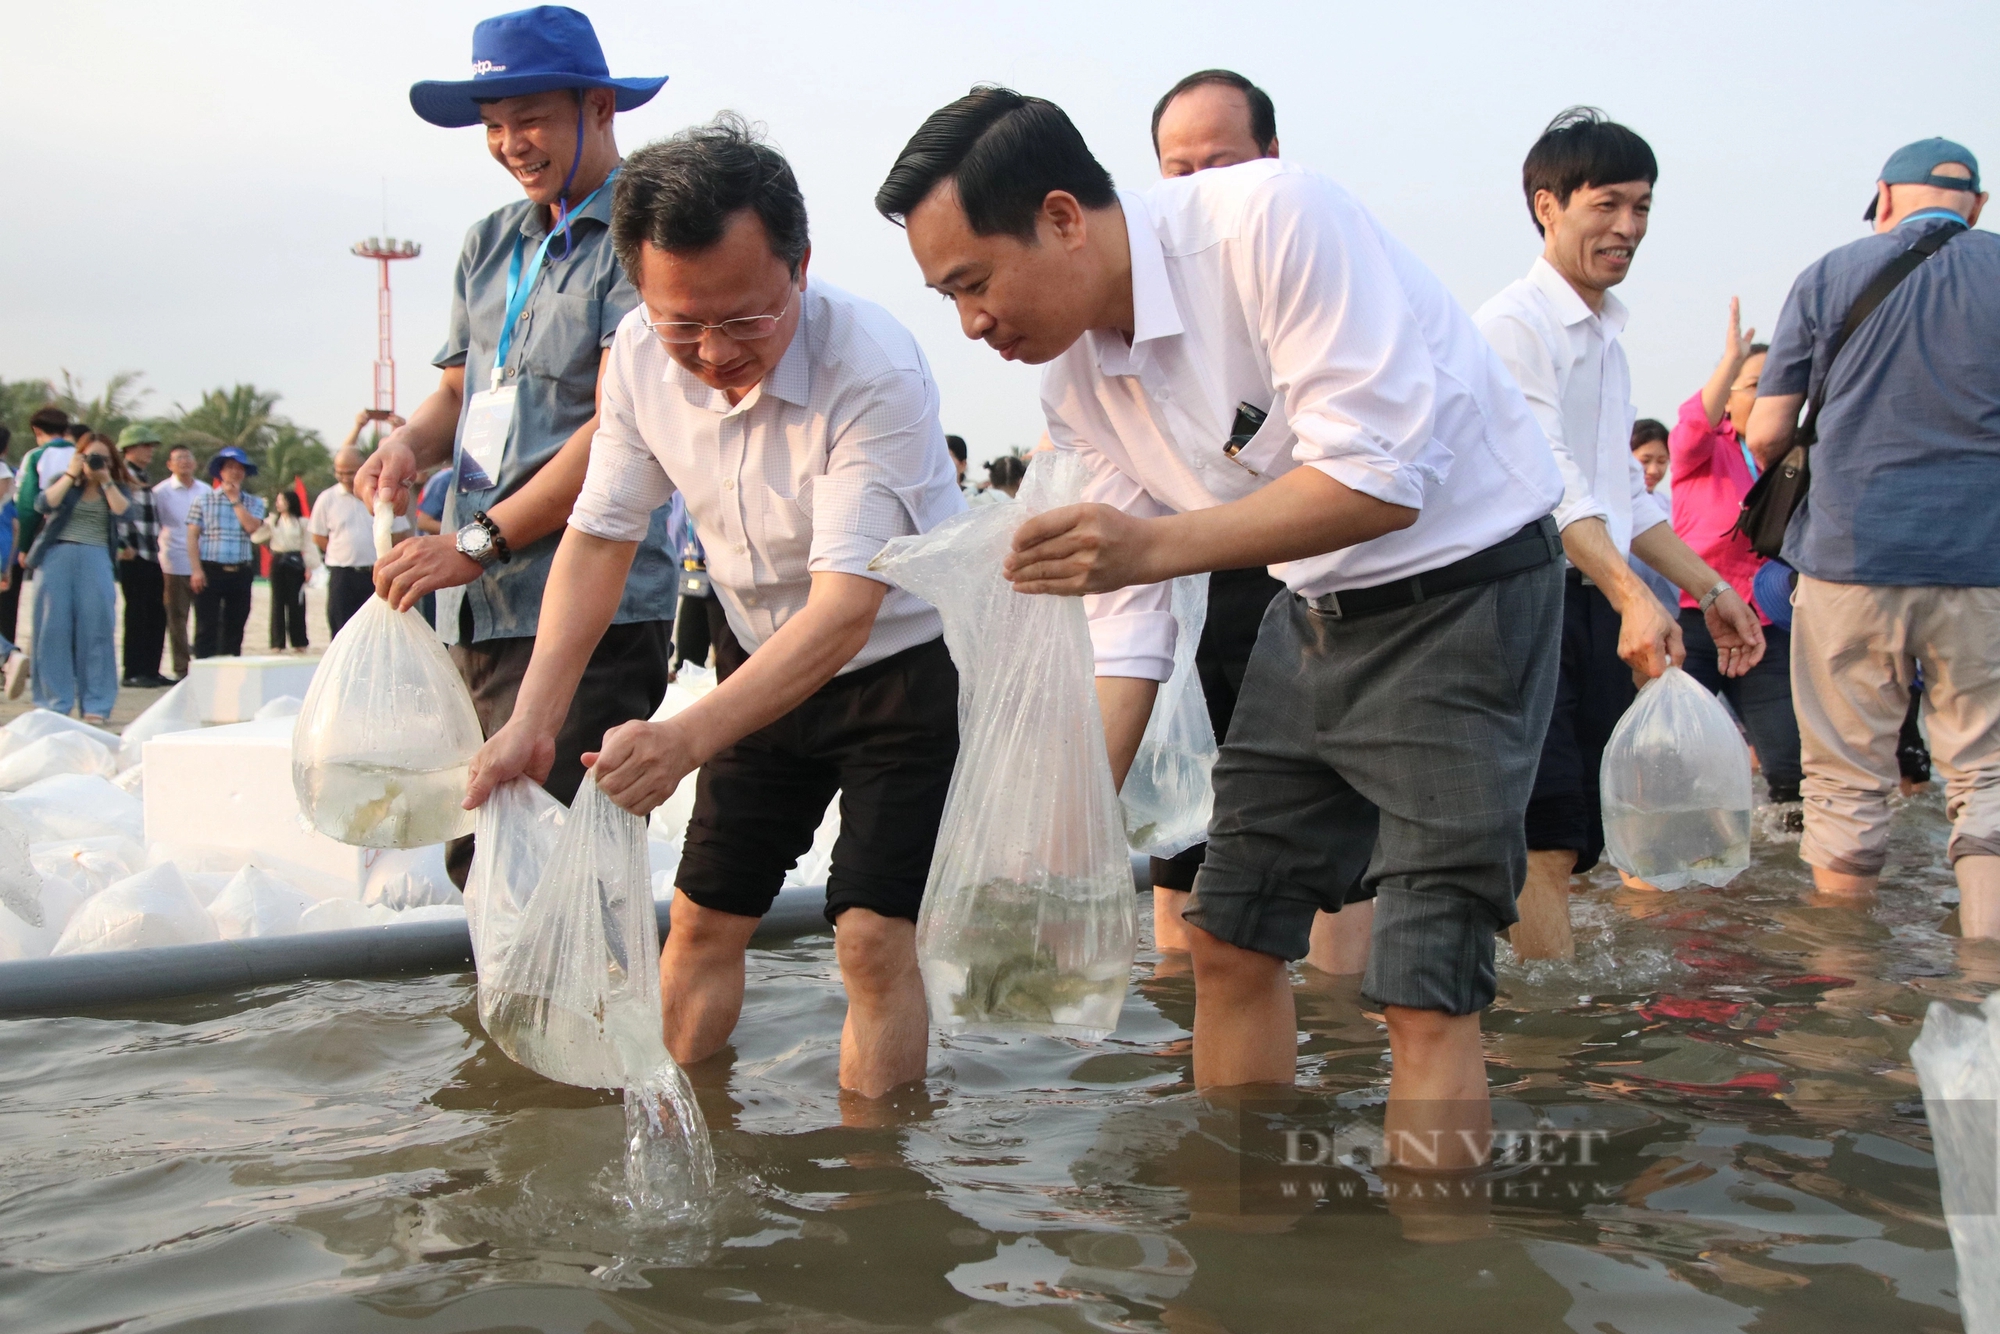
x,y
575,995
1676,788
1167,797
382,745
1027,923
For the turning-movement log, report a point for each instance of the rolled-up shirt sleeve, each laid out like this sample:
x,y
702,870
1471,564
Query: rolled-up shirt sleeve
x,y
624,483
1647,509
1348,358
1528,358
886,474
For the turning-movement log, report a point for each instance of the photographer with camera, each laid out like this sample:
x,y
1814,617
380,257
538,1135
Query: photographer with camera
x,y
76,595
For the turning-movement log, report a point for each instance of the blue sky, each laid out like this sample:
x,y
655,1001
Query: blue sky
x,y
192,174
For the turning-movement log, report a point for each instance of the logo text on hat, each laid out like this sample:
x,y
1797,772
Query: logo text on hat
x,y
480,67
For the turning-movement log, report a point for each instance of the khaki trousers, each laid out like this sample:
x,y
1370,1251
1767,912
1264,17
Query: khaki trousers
x,y
1854,651
180,600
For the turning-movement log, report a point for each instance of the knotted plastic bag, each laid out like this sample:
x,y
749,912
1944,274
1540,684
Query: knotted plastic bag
x,y
381,747
575,995
1167,797
1027,922
1676,787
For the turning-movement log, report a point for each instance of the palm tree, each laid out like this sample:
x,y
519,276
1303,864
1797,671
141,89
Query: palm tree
x,y
296,452
111,411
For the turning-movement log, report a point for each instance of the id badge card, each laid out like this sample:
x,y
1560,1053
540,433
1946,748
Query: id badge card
x,y
488,421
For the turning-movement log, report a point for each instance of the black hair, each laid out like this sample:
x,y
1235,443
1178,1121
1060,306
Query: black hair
x,y
1005,154
179,444
956,444
49,420
1263,116
679,193
1006,471
6,439
1582,147
1759,349
289,499
1646,430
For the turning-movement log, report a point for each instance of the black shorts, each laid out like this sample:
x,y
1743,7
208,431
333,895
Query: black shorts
x,y
1237,601
1593,689
885,737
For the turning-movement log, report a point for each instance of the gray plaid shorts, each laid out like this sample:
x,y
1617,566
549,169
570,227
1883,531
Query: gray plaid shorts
x,y
1388,755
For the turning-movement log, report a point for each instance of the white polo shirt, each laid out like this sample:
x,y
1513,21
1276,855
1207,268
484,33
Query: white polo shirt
x,y
837,450
1267,284
1571,366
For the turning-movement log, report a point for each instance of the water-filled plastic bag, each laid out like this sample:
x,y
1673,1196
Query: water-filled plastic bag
x,y
381,746
1167,797
174,711
62,753
152,909
256,903
1957,1057
513,837
1028,917
1676,787
72,806
576,994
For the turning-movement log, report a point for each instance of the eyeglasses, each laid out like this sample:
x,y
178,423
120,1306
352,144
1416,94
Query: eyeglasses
x,y
744,329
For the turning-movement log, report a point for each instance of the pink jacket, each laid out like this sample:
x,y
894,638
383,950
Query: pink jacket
x,y
1711,477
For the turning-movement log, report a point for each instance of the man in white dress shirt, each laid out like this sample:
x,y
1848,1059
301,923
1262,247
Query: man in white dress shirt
x,y
1589,184
1218,118
800,425
1258,374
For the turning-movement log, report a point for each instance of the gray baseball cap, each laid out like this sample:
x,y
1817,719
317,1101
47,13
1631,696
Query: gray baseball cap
x,y
1917,164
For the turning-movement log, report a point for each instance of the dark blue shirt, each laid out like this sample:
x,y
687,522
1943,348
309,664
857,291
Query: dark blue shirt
x,y
1906,473
569,319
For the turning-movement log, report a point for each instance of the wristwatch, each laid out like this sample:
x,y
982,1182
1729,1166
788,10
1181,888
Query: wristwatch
x,y
1708,598
481,541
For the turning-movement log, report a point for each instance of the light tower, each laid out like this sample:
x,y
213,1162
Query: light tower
x,y
385,250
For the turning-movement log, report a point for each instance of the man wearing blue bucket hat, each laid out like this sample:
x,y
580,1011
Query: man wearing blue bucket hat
x,y
537,296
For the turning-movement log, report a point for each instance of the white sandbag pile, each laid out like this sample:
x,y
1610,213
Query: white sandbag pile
x,y
79,875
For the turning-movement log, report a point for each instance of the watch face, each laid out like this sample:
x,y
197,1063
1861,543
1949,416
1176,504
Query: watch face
x,y
475,541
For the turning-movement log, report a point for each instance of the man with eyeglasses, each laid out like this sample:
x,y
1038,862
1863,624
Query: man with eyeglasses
x,y
535,300
800,426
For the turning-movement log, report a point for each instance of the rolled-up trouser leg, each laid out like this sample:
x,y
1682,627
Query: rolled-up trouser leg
x,y
1399,748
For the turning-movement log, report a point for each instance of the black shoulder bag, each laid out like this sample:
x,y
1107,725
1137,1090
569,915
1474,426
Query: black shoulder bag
x,y
1777,494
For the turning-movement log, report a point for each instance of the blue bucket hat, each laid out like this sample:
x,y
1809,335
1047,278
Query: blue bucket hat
x,y
529,51
230,454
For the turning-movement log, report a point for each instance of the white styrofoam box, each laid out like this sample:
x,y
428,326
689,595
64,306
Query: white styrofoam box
x,y
231,690
227,791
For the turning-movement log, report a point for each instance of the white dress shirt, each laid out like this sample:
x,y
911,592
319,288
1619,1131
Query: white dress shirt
x,y
837,450
1570,364
1267,284
171,503
342,518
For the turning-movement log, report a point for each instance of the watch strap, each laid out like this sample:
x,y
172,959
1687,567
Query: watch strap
x,y
504,553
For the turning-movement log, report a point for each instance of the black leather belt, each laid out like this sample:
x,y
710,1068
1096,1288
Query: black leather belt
x,y
1536,544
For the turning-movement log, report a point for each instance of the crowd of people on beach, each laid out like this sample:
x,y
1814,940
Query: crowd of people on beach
x,y
1442,553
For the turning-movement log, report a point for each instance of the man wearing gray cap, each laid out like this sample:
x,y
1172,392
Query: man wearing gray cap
x,y
1897,541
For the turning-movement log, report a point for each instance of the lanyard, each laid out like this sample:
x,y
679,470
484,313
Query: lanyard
x,y
1749,459
521,286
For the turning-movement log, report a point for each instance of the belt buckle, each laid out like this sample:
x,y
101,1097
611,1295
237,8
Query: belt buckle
x,y
1327,605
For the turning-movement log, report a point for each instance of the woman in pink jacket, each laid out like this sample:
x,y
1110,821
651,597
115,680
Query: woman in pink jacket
x,y
1712,472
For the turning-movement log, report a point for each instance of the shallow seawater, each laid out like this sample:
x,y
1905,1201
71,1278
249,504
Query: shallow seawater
x,y
359,1156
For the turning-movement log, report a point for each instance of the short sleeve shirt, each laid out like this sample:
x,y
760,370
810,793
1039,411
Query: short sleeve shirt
x,y
1908,461
569,319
